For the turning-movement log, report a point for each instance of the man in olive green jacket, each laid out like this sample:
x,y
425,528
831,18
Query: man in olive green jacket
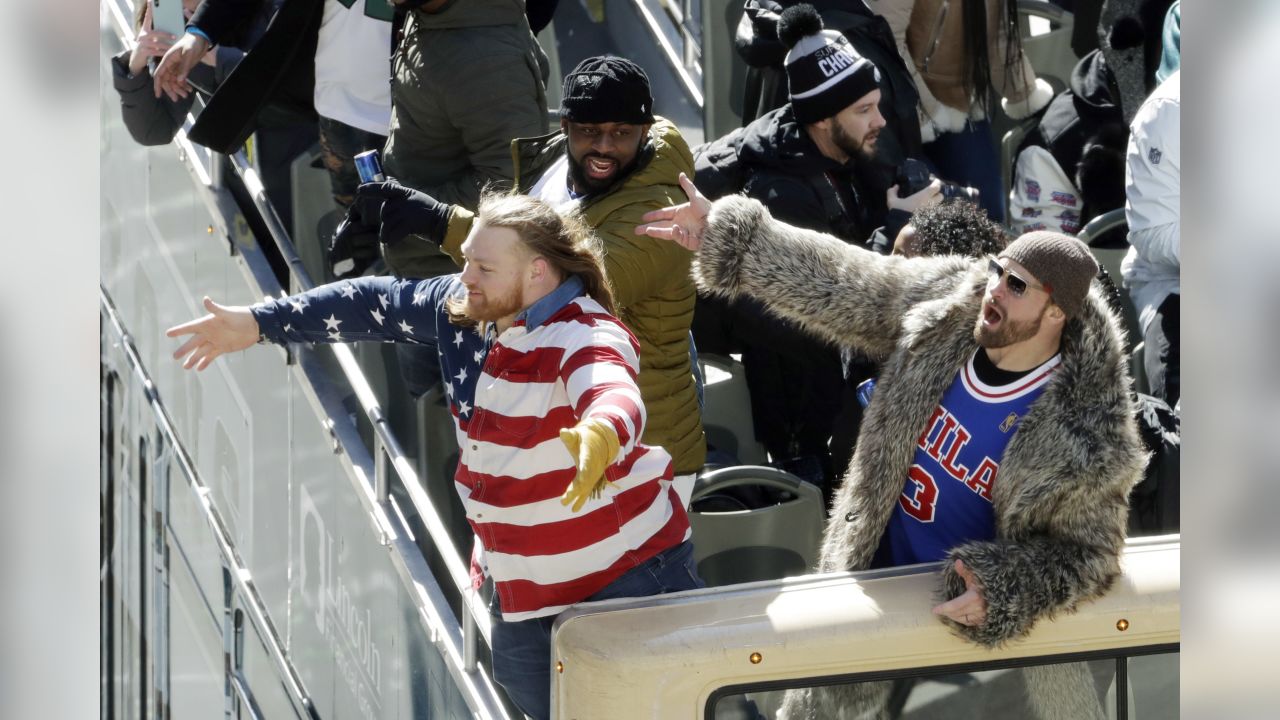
x,y
612,161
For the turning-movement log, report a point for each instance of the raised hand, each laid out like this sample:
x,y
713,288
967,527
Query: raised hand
x,y
171,74
970,607
227,328
682,223
930,194
151,43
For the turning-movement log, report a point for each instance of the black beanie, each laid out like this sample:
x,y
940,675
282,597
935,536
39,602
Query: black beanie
x,y
1062,264
824,73
607,89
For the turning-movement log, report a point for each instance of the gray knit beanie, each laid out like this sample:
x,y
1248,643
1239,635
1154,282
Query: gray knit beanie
x,y
1061,263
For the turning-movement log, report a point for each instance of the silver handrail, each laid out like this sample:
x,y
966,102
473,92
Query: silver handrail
x,y
238,571
476,622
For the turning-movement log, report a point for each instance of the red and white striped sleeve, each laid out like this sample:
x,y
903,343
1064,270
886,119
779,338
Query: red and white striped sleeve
x,y
599,375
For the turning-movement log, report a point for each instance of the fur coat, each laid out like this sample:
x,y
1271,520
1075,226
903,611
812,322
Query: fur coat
x,y
1061,499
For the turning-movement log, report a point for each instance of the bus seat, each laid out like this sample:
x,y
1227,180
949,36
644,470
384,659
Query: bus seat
x,y
733,543
726,414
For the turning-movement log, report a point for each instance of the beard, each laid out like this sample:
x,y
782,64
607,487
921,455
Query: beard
x,y
1008,332
491,309
587,185
862,149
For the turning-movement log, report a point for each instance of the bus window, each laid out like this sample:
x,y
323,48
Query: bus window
x,y
1083,689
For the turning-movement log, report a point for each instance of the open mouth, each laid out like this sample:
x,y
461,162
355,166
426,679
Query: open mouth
x,y
991,315
600,168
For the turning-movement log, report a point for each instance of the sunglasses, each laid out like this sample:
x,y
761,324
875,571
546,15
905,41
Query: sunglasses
x,y
1017,285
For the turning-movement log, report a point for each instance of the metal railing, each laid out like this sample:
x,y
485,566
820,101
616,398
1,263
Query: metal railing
x,y
459,647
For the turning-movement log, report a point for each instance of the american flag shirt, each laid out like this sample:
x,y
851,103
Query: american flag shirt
x,y
563,359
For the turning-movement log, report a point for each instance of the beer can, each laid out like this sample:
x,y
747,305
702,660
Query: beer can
x,y
369,167
865,390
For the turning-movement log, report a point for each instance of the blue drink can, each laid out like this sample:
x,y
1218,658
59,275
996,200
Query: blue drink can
x,y
369,167
865,390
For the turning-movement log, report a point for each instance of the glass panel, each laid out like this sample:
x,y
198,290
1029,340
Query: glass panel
x,y
1153,686
1063,690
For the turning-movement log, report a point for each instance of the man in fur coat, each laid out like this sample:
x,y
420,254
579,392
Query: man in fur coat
x,y
1001,436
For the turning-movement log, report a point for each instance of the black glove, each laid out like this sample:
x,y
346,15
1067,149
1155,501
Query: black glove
x,y
354,245
404,211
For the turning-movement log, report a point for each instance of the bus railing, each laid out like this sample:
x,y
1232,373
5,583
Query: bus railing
x,y
460,649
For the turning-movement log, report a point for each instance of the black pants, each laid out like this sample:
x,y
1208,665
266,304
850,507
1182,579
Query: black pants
x,y
1160,357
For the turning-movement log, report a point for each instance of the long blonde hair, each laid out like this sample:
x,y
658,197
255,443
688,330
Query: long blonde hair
x,y
566,242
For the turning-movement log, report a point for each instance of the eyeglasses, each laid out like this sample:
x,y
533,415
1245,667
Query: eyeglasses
x,y
1017,285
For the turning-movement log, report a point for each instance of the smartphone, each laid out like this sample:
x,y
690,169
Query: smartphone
x,y
166,16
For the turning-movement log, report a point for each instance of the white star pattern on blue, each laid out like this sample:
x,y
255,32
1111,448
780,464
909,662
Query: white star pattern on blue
x,y
387,310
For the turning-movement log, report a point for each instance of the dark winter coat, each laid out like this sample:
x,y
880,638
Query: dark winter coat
x,y
1061,499
274,84
775,161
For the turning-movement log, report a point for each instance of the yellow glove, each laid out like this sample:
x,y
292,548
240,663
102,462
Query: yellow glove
x,y
593,443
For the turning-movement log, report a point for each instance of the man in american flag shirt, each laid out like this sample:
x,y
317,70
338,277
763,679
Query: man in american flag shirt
x,y
564,500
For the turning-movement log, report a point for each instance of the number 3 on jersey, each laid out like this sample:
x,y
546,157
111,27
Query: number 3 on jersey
x,y
920,497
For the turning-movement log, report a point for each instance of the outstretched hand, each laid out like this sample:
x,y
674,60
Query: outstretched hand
x,y
970,607
593,443
170,76
227,328
682,223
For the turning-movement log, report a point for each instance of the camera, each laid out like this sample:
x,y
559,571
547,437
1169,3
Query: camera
x,y
913,176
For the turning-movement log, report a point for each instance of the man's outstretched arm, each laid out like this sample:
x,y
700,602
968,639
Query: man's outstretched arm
x,y
843,294
377,309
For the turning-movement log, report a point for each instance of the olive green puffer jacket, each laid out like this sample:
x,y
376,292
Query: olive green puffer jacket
x,y
650,278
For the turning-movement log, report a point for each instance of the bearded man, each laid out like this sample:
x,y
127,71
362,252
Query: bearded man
x,y
1001,439
541,379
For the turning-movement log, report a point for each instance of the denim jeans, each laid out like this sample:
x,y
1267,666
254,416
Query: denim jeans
x,y
522,650
970,157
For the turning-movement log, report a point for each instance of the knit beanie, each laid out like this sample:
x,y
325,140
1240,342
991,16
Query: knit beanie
x,y
824,73
607,89
1061,263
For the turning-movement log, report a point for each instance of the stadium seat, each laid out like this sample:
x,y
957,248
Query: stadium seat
x,y
736,541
